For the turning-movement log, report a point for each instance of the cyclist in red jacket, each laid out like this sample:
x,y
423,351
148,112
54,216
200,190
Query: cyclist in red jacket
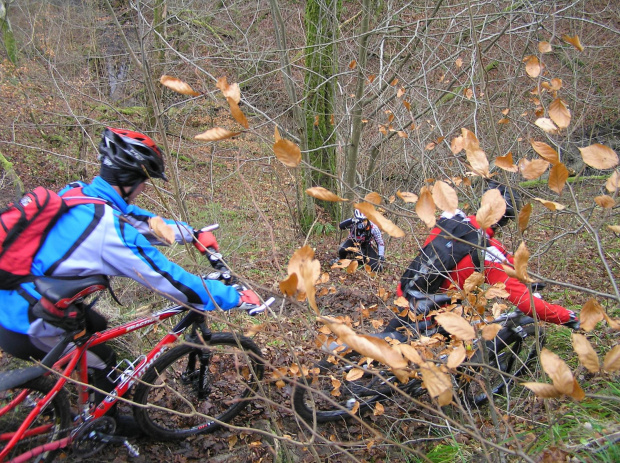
x,y
494,256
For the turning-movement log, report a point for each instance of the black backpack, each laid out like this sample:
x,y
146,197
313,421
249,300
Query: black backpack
x,y
431,266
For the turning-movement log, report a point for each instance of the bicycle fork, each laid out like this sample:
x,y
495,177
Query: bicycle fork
x,y
204,356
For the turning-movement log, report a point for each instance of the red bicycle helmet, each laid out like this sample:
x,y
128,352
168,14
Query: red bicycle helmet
x,y
132,153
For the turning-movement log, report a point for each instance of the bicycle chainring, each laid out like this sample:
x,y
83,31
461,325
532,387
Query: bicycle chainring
x,y
93,436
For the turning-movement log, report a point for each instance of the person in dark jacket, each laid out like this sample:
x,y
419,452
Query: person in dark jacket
x,y
362,233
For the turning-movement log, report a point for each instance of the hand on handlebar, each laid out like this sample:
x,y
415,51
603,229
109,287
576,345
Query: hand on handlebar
x,y
250,302
205,240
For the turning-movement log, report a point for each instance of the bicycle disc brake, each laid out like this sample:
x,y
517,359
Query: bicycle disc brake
x,y
93,436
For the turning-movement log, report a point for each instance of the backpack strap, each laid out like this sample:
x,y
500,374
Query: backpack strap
x,y
76,196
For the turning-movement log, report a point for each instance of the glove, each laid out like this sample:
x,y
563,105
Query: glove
x,y
205,240
573,322
249,301
380,263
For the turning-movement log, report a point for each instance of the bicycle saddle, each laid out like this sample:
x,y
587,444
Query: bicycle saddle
x,y
62,292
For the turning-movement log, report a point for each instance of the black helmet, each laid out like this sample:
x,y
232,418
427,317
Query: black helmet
x,y
512,208
126,157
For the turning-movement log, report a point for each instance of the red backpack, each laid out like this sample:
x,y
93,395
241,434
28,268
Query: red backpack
x,y
24,226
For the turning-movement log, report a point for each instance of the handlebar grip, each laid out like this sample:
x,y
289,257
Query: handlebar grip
x,y
215,226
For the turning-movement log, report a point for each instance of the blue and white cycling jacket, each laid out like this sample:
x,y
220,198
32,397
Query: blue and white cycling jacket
x,y
112,239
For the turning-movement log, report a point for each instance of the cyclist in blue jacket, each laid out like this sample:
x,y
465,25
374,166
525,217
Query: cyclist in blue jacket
x,y
111,238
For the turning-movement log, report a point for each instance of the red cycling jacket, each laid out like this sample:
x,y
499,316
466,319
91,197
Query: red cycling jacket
x,y
494,273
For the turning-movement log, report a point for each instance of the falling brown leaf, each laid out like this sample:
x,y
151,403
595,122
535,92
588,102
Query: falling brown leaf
x,y
319,192
492,208
216,134
599,156
544,47
532,169
606,202
574,41
585,352
444,197
558,371
161,230
559,113
506,163
546,124
407,197
532,66
425,207
524,217
545,151
557,177
591,313
231,91
456,325
177,85
287,152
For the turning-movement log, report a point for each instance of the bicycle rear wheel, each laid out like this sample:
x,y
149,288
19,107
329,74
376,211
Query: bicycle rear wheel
x,y
189,389
52,423
513,357
330,397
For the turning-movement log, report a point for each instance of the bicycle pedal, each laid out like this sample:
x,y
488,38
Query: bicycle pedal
x,y
132,450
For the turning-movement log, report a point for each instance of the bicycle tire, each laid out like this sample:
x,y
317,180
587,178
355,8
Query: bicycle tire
x,y
57,415
168,404
316,402
512,358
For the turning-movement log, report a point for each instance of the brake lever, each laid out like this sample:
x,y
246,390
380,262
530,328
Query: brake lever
x,y
261,308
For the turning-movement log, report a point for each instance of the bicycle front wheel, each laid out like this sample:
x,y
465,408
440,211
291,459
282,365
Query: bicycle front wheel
x,y
329,396
191,390
51,424
513,357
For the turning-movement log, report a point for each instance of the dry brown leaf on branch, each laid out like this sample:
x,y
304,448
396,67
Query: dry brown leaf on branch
x,y
276,134
521,259
532,169
161,230
470,141
551,205
524,217
287,152
545,151
407,197
437,383
237,113
559,113
373,198
599,156
308,271
574,41
288,286
319,192
445,197
606,202
216,134
231,91
478,161
546,124
473,282
585,352
558,371
557,177
612,360
456,325
497,290
177,85
425,208
532,66
544,47
614,324
591,313
613,182
371,347
492,208
490,331
543,390
379,220
456,145
352,267
456,357
506,163
614,228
